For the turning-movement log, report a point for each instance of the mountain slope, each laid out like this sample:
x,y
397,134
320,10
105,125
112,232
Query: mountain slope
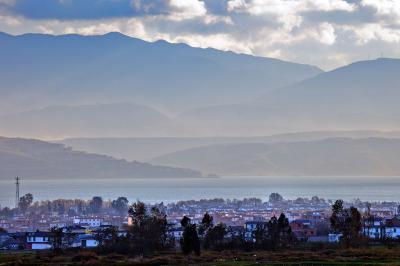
x,y
360,96
39,70
329,157
144,149
33,159
118,119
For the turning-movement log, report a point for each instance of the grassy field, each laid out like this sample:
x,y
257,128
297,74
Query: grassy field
x,y
371,256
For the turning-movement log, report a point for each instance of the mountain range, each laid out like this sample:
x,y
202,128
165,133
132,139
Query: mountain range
x,y
147,148
35,159
327,157
123,99
116,119
39,70
360,96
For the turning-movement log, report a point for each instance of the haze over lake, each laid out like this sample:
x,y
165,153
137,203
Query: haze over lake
x,y
170,190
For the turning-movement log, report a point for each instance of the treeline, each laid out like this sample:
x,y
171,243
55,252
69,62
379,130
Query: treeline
x,y
96,205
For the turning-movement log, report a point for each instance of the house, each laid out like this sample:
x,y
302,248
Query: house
x,y
74,229
392,228
176,233
334,238
85,241
235,231
303,229
251,226
373,227
88,221
4,238
38,240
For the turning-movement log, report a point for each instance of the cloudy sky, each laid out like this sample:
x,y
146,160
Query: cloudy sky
x,y
326,33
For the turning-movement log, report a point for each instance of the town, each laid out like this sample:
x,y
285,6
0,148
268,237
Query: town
x,y
32,225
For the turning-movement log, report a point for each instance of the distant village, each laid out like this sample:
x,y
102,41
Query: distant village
x,y
30,225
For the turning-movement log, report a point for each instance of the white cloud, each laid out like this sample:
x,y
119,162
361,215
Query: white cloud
x,y
389,8
282,7
287,12
375,32
9,20
326,34
187,9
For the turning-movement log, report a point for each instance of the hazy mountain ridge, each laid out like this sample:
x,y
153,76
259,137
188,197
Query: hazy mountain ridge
x,y
39,70
359,96
34,159
117,119
144,149
327,157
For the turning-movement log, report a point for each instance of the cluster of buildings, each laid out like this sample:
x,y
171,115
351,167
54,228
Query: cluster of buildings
x,y
308,219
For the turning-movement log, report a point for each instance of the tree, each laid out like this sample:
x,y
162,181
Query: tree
x,y
185,221
25,201
106,236
206,224
215,236
273,233
276,234
96,204
7,212
56,239
317,200
275,198
120,205
285,231
137,211
149,231
190,241
346,222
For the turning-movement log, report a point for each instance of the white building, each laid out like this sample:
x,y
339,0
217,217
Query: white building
x,y
38,240
89,221
392,228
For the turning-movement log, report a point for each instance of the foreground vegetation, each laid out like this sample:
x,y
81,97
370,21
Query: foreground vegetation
x,y
309,256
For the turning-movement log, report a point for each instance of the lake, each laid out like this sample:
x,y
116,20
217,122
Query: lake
x,y
169,190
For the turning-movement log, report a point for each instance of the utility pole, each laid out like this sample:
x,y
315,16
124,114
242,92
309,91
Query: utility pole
x,y
16,192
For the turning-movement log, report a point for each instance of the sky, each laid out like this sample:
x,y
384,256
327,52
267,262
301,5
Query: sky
x,y
325,33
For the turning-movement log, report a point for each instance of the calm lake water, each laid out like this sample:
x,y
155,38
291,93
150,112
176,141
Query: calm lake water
x,y
169,190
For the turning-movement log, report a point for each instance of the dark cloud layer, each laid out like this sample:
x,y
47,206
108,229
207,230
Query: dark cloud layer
x,y
84,9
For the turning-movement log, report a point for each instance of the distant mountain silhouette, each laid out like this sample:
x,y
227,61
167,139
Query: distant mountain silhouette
x,y
328,157
360,96
118,119
33,159
147,148
40,70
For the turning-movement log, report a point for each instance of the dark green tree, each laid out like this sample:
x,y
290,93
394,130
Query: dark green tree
x,y
25,201
149,231
346,221
137,211
206,224
120,205
285,231
96,204
56,239
106,236
273,233
275,198
185,221
190,241
215,236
